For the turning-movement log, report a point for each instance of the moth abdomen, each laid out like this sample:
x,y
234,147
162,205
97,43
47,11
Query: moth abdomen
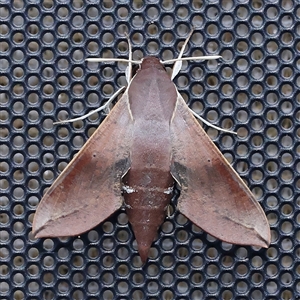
x,y
146,210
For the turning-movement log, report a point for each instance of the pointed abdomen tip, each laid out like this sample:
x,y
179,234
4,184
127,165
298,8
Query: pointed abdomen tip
x,y
143,252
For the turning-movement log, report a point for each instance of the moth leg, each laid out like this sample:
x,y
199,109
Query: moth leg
x,y
103,107
168,209
210,124
176,68
128,71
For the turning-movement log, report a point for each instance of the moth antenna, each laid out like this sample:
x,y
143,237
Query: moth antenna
x,y
210,124
105,106
178,64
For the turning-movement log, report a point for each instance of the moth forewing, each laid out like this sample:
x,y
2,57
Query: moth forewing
x,y
73,204
213,196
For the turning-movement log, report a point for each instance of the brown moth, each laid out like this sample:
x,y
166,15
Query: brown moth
x,y
149,141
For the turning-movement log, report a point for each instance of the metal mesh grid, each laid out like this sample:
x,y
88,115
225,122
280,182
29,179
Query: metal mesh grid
x,y
254,90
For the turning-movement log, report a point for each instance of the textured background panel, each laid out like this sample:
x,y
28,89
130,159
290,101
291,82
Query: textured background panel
x,y
254,90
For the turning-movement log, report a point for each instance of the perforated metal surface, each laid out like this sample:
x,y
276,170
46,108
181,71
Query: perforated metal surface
x,y
254,91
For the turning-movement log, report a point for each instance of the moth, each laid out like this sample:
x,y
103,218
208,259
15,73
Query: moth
x,y
150,141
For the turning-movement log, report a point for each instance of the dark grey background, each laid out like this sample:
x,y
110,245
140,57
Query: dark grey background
x,y
254,90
